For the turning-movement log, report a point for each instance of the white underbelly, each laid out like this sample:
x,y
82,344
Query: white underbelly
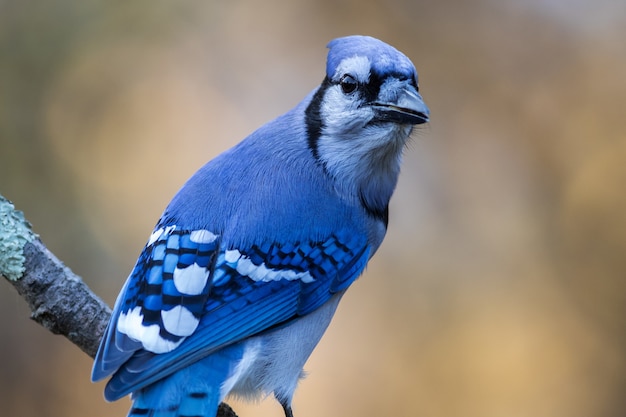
x,y
272,362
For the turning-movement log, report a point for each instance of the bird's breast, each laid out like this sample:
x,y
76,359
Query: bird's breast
x,y
273,361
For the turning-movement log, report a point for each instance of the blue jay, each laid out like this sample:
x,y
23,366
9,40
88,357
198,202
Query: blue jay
x,y
243,272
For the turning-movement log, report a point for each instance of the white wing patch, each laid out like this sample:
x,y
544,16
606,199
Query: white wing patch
x,y
202,236
130,323
158,233
155,236
179,321
246,267
232,256
191,280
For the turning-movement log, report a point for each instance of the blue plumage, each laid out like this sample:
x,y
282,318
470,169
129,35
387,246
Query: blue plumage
x,y
385,60
244,270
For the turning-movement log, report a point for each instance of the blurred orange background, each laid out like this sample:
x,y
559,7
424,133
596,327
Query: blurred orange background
x,y
500,290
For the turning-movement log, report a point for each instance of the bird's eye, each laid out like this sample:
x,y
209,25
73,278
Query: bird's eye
x,y
348,84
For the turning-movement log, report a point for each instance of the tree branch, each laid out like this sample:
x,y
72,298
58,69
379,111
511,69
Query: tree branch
x,y
58,299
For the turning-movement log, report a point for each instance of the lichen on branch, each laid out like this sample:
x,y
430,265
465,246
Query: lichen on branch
x,y
15,232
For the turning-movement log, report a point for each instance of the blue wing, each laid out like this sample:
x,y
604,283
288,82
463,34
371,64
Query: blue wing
x,y
187,297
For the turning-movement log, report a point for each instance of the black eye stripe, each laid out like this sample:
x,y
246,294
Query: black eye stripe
x,y
369,91
372,88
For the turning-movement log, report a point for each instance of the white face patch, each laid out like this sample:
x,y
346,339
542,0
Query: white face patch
x,y
357,66
179,321
246,267
363,157
191,280
343,114
131,325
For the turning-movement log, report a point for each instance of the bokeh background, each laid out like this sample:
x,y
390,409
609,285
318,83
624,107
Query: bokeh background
x,y
500,290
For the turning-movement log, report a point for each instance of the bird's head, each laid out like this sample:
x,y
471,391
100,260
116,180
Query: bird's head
x,y
360,118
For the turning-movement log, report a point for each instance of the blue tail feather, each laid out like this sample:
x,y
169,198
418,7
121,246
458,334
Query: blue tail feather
x,y
194,391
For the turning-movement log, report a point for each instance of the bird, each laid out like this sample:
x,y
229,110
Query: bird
x,y
244,270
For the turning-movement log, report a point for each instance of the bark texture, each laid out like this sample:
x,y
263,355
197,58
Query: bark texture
x,y
59,300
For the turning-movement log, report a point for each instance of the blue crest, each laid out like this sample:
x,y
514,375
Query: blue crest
x,y
385,59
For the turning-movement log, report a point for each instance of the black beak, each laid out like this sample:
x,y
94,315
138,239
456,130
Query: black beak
x,y
409,108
